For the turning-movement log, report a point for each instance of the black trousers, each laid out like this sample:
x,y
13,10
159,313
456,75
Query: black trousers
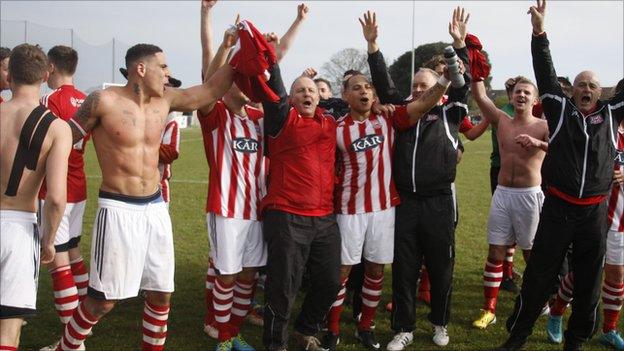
x,y
293,242
424,229
562,224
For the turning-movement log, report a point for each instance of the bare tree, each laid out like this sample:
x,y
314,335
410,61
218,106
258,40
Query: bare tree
x,y
342,61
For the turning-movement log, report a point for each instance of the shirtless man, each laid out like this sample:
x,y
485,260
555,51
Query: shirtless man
x,y
132,245
22,170
518,198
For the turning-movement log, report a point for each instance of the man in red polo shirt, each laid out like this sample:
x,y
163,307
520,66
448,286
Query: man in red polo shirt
x,y
299,225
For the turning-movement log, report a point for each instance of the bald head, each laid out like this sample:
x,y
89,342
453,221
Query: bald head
x,y
586,91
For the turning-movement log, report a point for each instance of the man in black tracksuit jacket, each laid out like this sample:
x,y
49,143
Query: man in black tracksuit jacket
x,y
425,161
578,171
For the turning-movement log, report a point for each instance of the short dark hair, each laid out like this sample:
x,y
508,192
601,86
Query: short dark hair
x,y
323,80
28,64
345,82
4,53
564,81
351,72
140,51
434,61
64,58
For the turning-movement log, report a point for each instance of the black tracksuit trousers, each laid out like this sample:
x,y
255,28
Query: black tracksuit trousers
x,y
424,228
293,242
562,223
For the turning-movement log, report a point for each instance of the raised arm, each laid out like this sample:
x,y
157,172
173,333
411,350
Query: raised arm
x,y
384,86
425,102
87,116
56,183
289,37
203,95
206,35
275,113
489,111
478,130
458,29
543,67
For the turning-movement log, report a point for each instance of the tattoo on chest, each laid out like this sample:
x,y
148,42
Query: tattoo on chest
x,y
30,142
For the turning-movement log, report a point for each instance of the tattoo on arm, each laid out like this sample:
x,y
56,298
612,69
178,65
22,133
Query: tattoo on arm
x,y
82,116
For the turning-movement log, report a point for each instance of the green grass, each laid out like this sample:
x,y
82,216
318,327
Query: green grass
x,y
121,329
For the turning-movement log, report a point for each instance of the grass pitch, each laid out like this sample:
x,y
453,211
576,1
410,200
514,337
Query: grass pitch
x,y
121,329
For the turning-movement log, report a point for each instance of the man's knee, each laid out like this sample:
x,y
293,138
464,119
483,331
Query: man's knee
x,y
374,270
98,308
158,298
497,252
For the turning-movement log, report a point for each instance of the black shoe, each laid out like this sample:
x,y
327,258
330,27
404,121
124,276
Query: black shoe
x,y
367,338
330,341
512,344
508,284
568,346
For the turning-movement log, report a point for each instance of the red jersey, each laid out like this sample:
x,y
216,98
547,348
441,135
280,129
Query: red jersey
x,y
302,173
64,102
169,151
615,213
365,151
234,149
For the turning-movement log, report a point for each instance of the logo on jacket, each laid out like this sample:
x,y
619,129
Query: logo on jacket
x,y
597,119
245,145
619,157
76,102
367,142
431,117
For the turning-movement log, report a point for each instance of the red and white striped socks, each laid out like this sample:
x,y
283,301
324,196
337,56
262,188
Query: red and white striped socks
x,y
508,263
424,286
77,329
222,300
612,295
154,326
333,317
65,292
371,294
210,280
492,277
564,295
243,293
81,276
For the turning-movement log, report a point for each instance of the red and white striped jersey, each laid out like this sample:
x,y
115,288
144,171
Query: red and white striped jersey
x,y
234,149
364,160
615,212
169,151
64,102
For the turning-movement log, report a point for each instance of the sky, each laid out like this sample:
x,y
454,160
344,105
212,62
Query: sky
x,y
583,34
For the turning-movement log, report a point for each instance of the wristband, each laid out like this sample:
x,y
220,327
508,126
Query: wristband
x,y
443,81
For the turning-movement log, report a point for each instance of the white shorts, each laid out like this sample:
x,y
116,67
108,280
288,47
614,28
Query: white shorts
x,y
369,235
70,228
235,243
514,216
131,249
615,248
19,263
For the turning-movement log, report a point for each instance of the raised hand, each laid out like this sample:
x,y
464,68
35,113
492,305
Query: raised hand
x,y
302,12
309,72
369,26
207,5
537,16
458,27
